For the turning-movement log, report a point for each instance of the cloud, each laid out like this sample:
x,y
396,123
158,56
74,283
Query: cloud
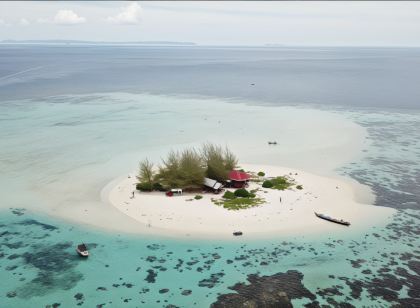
x,y
130,15
4,23
68,17
23,22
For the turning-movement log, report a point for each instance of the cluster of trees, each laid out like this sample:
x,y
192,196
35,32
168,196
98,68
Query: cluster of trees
x,y
187,169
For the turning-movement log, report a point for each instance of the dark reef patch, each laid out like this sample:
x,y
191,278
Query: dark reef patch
x,y
212,281
186,292
18,211
155,246
357,263
51,258
15,245
79,298
55,265
266,291
33,222
151,276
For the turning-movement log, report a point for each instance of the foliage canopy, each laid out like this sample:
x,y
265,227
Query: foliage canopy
x,y
188,168
219,161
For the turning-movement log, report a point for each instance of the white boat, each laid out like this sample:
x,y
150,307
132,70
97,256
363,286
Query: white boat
x,y
82,250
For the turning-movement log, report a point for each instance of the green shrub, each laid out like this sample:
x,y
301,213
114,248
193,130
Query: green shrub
x,y
261,173
281,183
252,195
300,187
267,184
144,186
279,180
242,192
239,203
229,195
198,197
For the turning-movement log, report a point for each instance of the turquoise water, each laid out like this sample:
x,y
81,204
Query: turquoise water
x,y
59,152
40,267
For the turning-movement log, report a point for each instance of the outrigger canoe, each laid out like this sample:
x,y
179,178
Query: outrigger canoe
x,y
337,221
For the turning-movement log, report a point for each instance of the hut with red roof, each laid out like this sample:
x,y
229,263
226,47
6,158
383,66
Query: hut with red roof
x,y
238,179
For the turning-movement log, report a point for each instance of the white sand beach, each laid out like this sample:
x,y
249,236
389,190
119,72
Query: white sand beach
x,y
284,213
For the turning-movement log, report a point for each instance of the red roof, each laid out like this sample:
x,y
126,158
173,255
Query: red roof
x,y
236,175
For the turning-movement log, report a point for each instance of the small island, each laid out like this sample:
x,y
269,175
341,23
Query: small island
x,y
207,193
212,170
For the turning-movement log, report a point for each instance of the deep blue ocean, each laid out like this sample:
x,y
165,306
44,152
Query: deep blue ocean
x,y
359,77
64,116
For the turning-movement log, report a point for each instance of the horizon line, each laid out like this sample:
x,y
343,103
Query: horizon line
x,y
162,43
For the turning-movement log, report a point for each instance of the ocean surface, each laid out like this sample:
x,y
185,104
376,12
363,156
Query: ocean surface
x,y
362,77
73,118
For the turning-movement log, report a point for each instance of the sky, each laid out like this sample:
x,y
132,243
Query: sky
x,y
216,23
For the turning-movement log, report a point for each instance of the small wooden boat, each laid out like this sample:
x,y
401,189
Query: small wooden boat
x,y
337,221
82,250
272,142
237,233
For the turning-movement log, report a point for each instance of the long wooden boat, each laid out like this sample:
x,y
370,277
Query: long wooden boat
x,y
337,221
82,250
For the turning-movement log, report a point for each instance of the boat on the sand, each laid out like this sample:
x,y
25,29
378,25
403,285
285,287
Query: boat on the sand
x,y
237,233
82,250
337,221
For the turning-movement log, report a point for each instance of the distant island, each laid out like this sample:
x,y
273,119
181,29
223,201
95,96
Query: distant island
x,y
80,42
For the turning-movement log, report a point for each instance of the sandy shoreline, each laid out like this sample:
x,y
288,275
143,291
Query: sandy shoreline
x,y
292,216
